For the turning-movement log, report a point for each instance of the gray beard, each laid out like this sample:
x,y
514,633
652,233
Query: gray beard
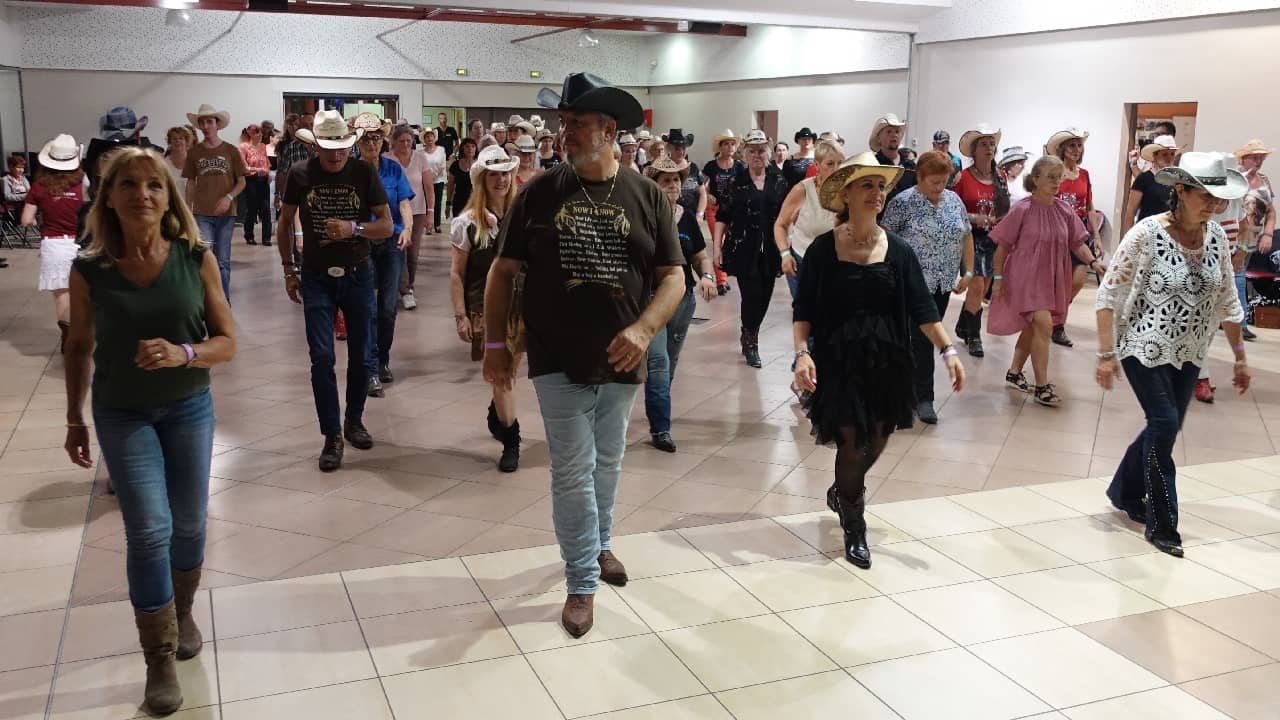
x,y
582,159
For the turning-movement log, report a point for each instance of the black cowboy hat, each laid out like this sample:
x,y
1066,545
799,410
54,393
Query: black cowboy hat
x,y
99,147
584,92
806,132
678,137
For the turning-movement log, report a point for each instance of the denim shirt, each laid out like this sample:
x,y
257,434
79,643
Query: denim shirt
x,y
935,233
396,183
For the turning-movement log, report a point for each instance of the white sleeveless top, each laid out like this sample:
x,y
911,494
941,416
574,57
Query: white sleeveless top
x,y
813,219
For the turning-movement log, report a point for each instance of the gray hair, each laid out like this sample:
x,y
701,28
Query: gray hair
x,y
399,130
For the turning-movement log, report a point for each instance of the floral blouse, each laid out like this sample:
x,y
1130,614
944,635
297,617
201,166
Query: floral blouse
x,y
935,233
1169,300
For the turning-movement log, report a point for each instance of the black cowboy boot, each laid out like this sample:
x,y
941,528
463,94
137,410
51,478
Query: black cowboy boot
x,y
751,348
495,425
510,460
854,523
1162,521
962,324
974,339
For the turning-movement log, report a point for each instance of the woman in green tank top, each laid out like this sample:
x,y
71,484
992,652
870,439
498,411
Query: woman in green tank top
x,y
147,301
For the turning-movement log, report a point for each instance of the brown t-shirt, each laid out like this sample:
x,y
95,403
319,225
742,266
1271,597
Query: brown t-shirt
x,y
590,267
214,172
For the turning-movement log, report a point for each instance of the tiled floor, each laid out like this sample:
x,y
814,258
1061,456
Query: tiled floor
x,y
419,581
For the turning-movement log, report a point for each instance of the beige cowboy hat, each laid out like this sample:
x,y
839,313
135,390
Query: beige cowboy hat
x,y
497,127
1162,142
720,137
543,134
831,195
1254,147
972,136
60,153
526,126
643,135
492,159
1207,171
368,122
882,122
667,165
755,137
1056,140
514,120
207,110
525,144
331,131
627,139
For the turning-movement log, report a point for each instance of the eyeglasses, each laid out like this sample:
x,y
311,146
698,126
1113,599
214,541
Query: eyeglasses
x,y
371,137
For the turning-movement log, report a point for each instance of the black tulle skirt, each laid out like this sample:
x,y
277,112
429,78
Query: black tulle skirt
x,y
864,381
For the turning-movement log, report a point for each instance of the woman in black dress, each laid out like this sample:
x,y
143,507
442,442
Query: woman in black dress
x,y
861,291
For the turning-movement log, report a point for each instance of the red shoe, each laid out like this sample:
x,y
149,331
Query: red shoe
x,y
1204,391
340,326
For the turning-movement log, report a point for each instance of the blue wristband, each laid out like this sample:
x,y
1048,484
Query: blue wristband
x,y
997,277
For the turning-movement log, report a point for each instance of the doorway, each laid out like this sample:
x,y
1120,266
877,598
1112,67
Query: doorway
x,y
384,106
767,120
1143,123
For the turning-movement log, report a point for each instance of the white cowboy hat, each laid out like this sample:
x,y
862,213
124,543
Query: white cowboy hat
x,y
207,110
1208,171
331,131
627,139
720,137
526,144
543,133
492,159
1056,140
497,127
60,153
526,126
831,195
514,120
755,137
537,122
1162,142
971,137
643,134
882,122
1013,154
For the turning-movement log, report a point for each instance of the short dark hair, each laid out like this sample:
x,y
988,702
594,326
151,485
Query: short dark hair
x,y
1167,128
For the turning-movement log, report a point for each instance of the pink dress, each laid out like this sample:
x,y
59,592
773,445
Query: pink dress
x,y
1037,267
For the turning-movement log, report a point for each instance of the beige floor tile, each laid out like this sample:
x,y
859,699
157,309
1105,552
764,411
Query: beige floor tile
x,y
745,652
637,489
1195,530
426,534
700,498
746,542
959,451
262,553
111,688
333,518
1158,704
1246,618
648,519
806,482
822,530
1078,594
1252,694
469,691
960,687
800,582
1238,478
932,517
1246,560
280,605
34,590
39,549
1245,515
45,485
480,501
704,707
243,464
29,640
779,452
658,553
428,639
388,487
866,631
1087,496
815,697
613,675
648,461
349,556
98,572
1170,580
510,537
1086,539
24,693
528,571
257,504
694,598
534,620
976,612
37,515
104,629
906,566
410,586
993,553
364,699
1173,646
899,490
931,471
1015,506
774,504
292,660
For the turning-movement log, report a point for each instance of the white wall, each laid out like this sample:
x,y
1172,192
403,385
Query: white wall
x,y
1034,85
848,104
10,39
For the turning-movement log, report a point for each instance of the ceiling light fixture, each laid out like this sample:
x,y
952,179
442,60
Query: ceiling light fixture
x,y
462,72
587,40
535,74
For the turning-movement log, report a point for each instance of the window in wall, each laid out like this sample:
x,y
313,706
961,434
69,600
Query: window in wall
x,y
12,132
384,106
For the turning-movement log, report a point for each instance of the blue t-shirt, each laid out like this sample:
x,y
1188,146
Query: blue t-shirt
x,y
396,183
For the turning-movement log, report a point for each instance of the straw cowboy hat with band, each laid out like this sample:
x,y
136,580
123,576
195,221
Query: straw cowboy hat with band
x,y
831,195
525,144
666,165
971,138
1056,140
720,137
882,122
60,153
584,92
1207,171
206,110
1162,142
755,137
331,131
492,159
626,139
1254,147
368,122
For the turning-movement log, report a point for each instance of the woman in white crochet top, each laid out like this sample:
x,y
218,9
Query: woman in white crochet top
x,y
1169,287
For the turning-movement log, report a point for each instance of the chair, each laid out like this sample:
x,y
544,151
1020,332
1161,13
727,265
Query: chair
x,y
11,228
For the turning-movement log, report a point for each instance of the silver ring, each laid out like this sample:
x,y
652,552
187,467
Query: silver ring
x,y
159,355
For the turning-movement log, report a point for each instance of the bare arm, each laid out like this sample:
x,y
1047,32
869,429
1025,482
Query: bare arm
x,y
78,347
220,347
499,369
1130,211
284,233
457,268
967,254
28,218
666,297
702,201
382,226
787,217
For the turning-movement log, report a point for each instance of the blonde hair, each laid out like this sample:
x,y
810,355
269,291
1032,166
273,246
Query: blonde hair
x,y
1043,165
106,234
478,205
825,148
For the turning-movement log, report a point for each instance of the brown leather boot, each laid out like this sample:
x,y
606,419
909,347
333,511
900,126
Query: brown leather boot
x,y
612,570
579,614
185,584
158,635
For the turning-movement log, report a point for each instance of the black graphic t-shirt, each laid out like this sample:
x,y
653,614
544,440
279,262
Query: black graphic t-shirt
x,y
719,179
591,259
1155,197
347,195
795,169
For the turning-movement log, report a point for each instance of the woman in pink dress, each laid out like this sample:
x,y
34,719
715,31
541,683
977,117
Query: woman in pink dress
x,y
1032,274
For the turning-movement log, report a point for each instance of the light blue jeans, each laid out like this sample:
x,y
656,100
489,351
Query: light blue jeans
x,y
216,231
586,429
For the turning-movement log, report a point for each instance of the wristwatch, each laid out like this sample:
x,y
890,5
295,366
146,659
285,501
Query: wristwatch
x,y
709,276
360,229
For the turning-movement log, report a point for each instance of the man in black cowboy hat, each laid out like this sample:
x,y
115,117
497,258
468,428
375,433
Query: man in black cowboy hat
x,y
603,275
797,166
693,194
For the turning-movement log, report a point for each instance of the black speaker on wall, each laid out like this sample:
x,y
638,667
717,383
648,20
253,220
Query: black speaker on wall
x,y
269,5
706,28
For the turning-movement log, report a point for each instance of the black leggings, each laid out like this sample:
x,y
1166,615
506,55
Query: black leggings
x,y
854,457
755,285
257,193
439,192
923,350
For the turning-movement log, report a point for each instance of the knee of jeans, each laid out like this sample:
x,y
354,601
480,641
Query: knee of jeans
x,y
1163,428
153,535
677,338
322,359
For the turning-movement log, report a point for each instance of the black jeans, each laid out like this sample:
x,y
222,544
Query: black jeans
x,y
257,193
755,285
924,351
439,190
1147,469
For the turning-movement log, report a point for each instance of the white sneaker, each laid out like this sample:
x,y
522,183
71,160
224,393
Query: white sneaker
x,y
408,301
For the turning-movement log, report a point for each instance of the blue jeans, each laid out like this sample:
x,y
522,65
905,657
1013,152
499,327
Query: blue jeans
x,y
1243,291
664,351
216,231
322,297
388,260
1147,470
586,429
793,281
159,465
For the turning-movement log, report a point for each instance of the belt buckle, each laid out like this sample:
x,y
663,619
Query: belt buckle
x,y
337,272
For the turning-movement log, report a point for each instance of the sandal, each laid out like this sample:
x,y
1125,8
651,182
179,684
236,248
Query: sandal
x,y
1045,395
1017,381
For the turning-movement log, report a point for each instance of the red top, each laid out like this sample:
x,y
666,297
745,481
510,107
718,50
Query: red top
x,y
1078,193
979,197
58,214
812,171
255,159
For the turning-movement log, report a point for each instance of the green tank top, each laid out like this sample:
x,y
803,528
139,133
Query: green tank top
x,y
123,313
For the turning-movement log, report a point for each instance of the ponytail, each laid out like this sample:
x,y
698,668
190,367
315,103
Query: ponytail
x,y
1002,199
